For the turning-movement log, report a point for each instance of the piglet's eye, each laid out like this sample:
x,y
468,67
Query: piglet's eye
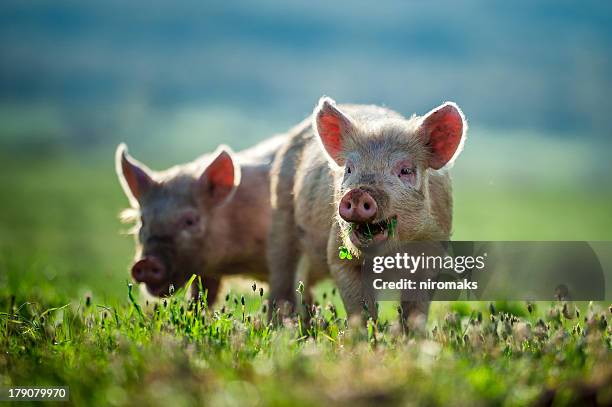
x,y
189,220
406,172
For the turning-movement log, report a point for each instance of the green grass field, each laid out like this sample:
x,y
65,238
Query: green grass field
x,y
66,318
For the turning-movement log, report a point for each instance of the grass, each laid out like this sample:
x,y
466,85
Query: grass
x,y
68,318
180,352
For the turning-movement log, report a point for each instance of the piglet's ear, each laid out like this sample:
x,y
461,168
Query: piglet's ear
x,y
221,177
332,127
134,177
444,130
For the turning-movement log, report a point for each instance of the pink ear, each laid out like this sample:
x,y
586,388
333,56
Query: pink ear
x,y
331,126
133,176
221,177
444,131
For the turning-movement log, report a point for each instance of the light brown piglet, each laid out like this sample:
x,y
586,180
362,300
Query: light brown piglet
x,y
344,180
209,217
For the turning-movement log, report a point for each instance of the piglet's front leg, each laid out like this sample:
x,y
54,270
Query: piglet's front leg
x,y
347,276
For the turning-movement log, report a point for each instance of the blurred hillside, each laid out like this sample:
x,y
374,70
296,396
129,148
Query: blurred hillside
x,y
182,77
190,74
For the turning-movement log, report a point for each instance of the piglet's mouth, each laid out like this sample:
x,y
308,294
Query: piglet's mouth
x,y
363,234
159,290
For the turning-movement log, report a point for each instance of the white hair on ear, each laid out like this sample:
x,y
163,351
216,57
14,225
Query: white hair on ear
x,y
123,160
464,128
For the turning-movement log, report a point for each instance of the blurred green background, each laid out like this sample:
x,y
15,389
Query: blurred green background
x,y
175,79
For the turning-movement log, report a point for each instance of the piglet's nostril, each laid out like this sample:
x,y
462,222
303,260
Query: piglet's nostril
x,y
138,273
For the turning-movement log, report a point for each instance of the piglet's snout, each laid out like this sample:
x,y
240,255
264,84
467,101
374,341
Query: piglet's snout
x,y
358,206
149,270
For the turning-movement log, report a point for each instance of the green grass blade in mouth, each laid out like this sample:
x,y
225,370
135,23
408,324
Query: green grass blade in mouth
x,y
369,235
392,225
